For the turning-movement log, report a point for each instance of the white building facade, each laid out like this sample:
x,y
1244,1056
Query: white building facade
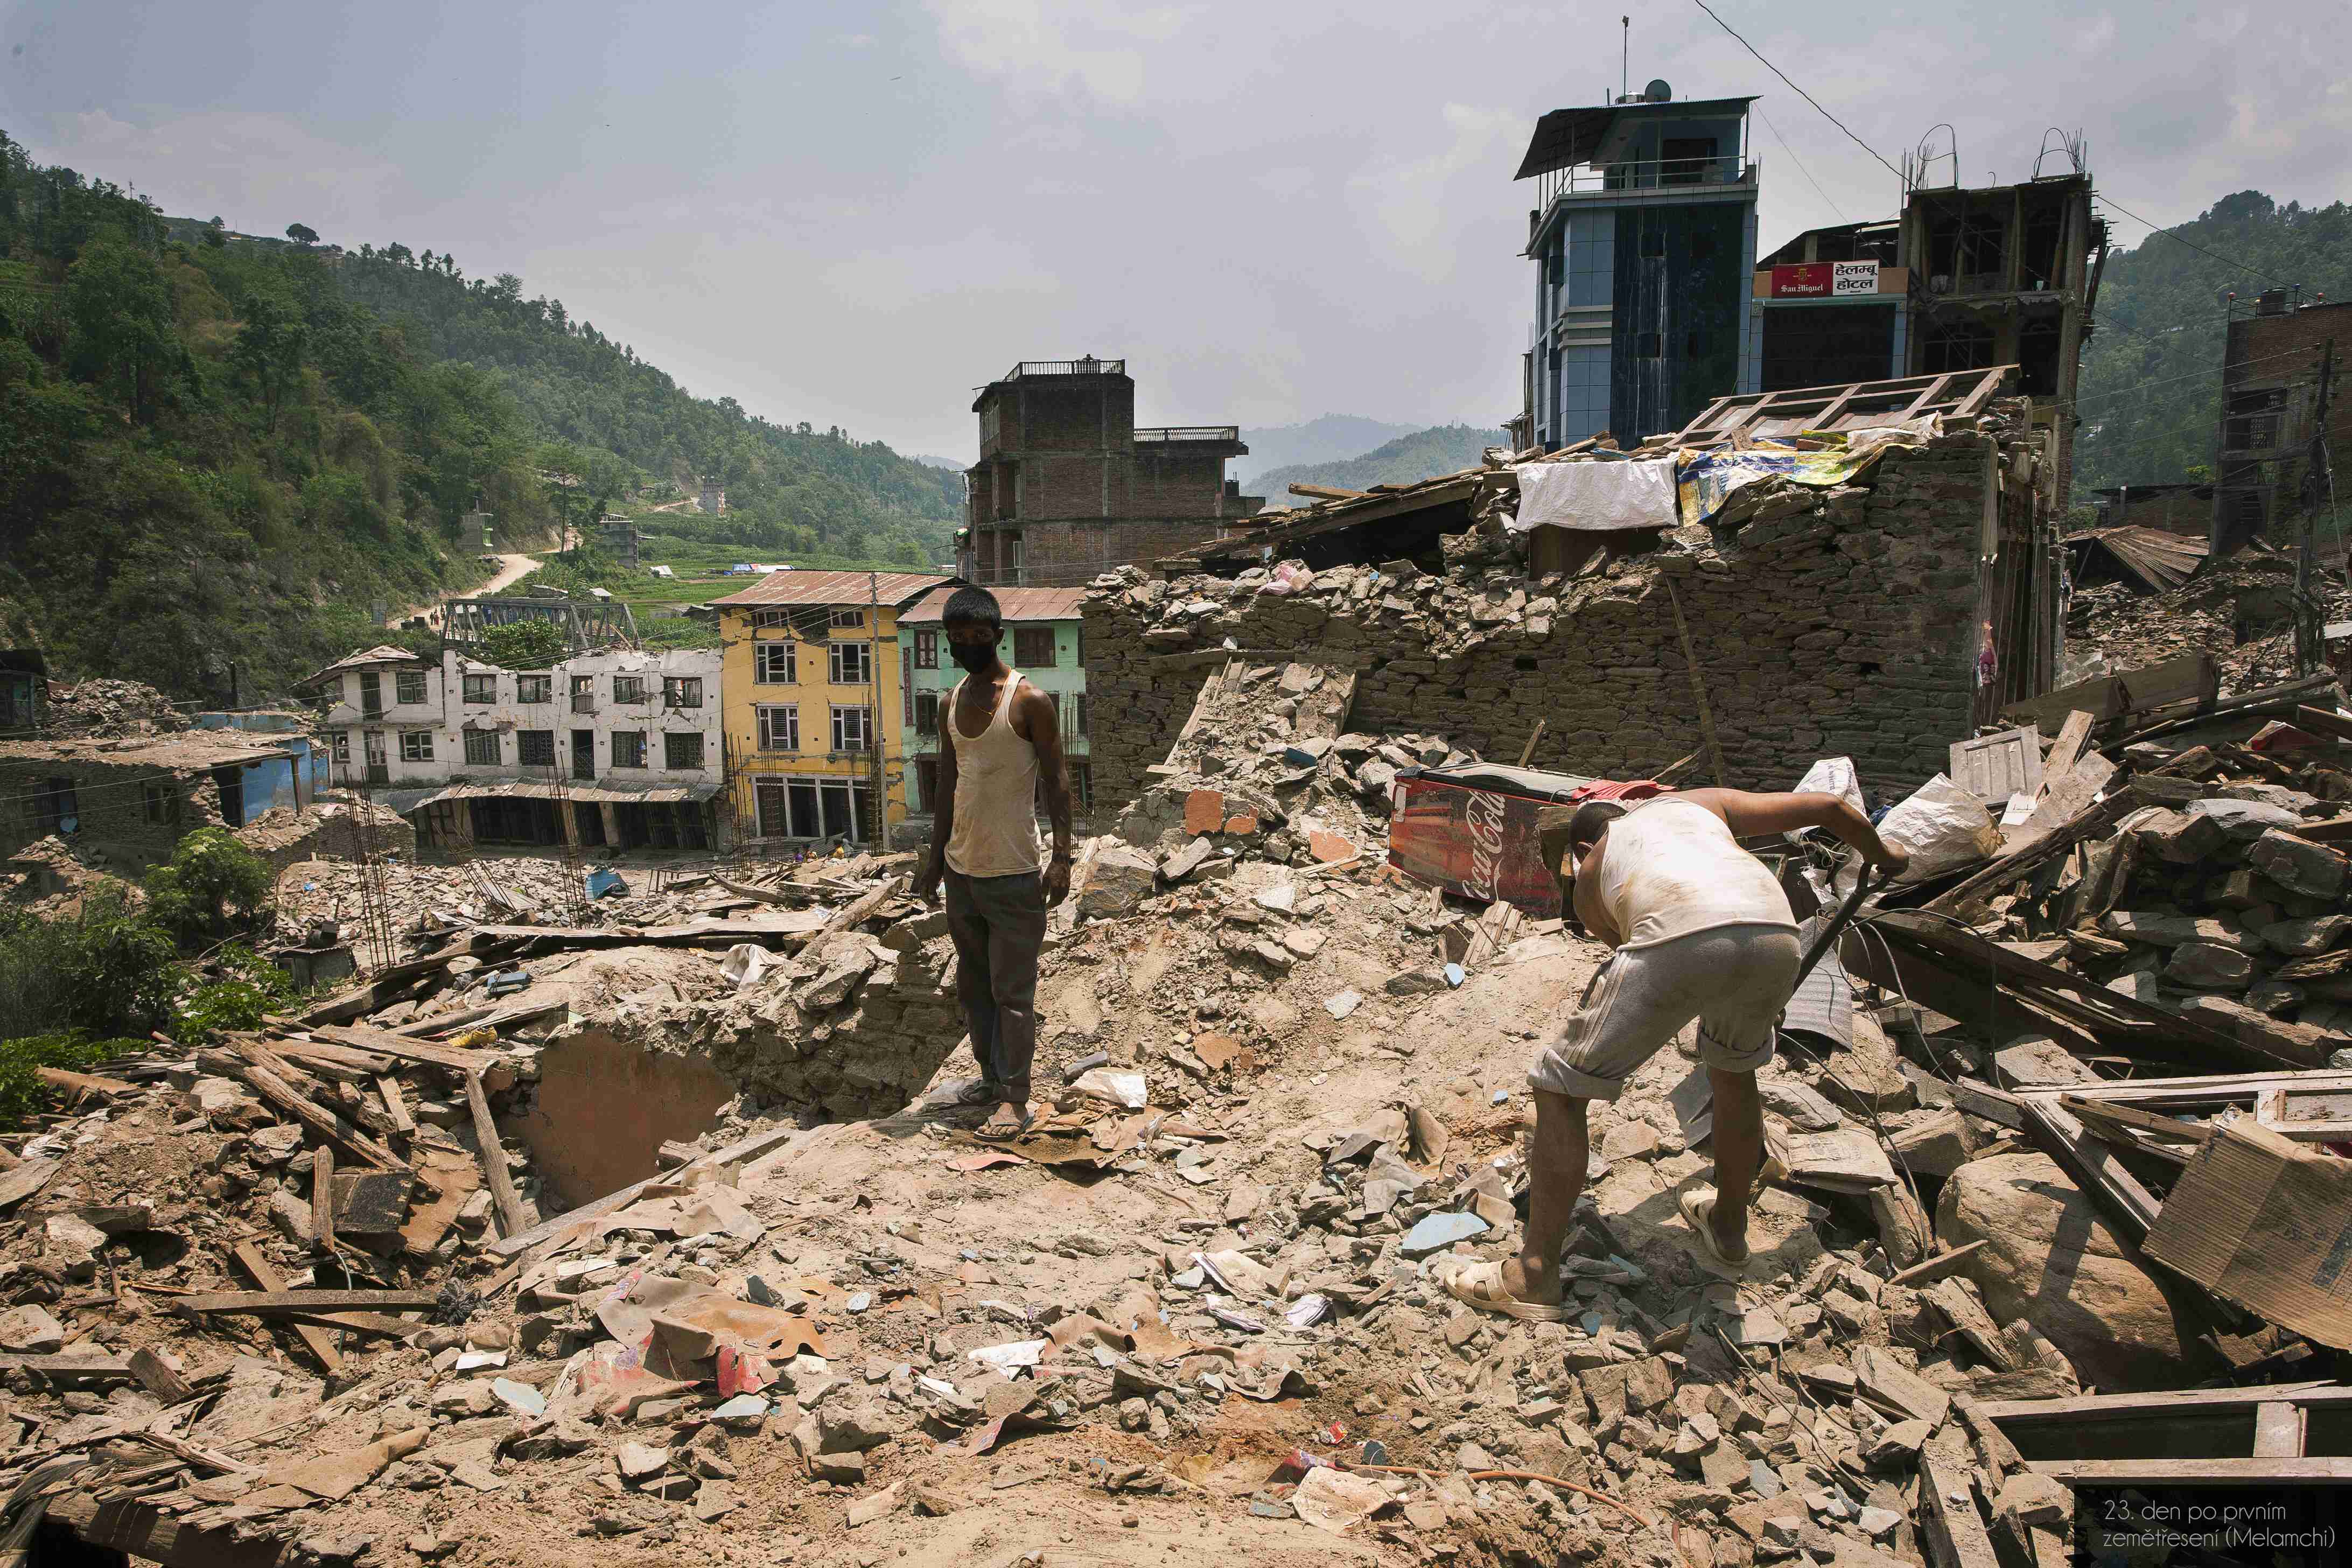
x,y
616,750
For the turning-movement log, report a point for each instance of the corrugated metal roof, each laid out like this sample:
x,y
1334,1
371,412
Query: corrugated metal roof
x,y
382,654
1018,605
527,789
843,588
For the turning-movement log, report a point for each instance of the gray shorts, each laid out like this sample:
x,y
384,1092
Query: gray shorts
x,y
1735,980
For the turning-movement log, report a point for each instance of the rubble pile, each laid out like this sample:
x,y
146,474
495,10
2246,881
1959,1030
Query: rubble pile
x,y
107,708
2240,608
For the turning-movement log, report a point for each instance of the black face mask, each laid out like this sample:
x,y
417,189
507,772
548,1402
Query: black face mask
x,y
972,657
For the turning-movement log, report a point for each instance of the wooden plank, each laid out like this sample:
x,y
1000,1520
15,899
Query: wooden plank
x,y
320,1343
503,1198
323,1199
2249,1472
156,1377
281,1094
395,1106
748,1149
80,1086
2067,749
2278,1430
1995,767
74,1370
2084,1409
2144,1120
2130,1209
1950,1526
1937,1267
401,1048
2018,863
144,1531
274,1303
2323,721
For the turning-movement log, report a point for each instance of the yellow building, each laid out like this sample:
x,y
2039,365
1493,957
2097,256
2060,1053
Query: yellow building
x,y
812,690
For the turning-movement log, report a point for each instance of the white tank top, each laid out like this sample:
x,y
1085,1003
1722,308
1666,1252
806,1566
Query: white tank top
x,y
995,831
1670,867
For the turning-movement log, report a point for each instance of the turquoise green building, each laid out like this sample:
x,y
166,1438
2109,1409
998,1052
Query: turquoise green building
x,y
1044,639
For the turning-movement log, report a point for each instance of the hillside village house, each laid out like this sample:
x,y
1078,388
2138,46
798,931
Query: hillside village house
x,y
134,797
812,693
1044,639
614,750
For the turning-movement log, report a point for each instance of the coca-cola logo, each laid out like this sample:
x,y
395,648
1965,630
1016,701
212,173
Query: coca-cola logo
x,y
1484,816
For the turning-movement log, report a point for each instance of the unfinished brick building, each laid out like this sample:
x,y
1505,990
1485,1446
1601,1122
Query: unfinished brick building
x,y
1865,620
1069,486
2276,370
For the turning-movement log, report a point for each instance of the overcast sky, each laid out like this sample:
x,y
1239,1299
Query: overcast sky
x,y
855,213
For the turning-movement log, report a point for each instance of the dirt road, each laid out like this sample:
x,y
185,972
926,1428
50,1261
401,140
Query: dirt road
x,y
511,569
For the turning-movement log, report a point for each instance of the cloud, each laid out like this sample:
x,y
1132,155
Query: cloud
x,y
1040,48
259,171
1414,205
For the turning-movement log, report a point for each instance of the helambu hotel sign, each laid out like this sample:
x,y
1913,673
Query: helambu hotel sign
x,y
1825,280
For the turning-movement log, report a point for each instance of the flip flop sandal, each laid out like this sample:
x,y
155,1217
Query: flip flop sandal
x,y
995,1132
1698,1207
1480,1285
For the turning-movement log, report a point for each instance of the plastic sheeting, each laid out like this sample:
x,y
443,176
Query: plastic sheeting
x,y
1599,496
1706,480
1943,827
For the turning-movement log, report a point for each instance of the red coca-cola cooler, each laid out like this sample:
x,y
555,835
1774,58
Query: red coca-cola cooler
x,y
1470,830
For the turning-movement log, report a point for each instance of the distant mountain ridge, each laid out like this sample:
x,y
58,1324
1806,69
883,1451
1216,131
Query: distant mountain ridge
x,y
1329,439
1419,454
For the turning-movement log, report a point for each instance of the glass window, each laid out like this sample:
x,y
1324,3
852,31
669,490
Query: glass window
x,y
852,729
682,691
534,688
1032,647
779,728
481,689
482,749
926,650
344,746
1080,732
628,748
163,801
535,748
927,712
408,686
629,688
768,620
848,617
682,750
772,663
417,745
853,663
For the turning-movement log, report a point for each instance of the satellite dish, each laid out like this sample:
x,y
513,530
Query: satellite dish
x,y
1657,91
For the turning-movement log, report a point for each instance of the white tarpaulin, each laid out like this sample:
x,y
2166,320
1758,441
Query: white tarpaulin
x,y
1597,495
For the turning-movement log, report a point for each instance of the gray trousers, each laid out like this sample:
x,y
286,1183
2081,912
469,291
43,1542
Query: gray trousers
x,y
999,927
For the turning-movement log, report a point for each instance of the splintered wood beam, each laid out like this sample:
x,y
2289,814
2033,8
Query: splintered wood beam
x,y
395,1106
273,1303
323,1199
1949,1525
1327,493
318,1341
511,1220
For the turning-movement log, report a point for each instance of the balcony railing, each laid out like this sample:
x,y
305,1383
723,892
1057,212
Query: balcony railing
x,y
1066,367
1156,433
1643,174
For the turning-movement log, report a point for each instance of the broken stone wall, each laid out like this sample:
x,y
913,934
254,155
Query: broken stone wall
x,y
130,813
1848,628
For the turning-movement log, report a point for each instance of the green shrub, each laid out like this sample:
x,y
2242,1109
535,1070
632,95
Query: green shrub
x,y
107,970
249,985
214,885
523,645
22,1092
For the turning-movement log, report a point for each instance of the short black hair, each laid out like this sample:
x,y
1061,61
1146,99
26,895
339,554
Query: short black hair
x,y
973,604
1590,819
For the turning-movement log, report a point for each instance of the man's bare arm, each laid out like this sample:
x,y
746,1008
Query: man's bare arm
x,y
1752,815
942,809
1043,722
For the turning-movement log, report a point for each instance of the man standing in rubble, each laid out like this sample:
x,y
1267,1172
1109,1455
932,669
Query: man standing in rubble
x,y
1702,931
1004,742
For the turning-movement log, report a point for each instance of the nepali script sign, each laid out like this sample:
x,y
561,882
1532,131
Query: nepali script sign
x,y
1825,280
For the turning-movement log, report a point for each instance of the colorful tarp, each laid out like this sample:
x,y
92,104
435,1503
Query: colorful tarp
x,y
1706,480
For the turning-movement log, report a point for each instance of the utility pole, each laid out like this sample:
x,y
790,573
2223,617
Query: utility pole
x,y
2316,482
876,730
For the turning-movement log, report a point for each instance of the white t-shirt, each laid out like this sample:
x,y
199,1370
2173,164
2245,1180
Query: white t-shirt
x,y
1670,867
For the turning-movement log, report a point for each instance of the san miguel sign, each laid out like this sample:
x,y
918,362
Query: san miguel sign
x,y
1825,280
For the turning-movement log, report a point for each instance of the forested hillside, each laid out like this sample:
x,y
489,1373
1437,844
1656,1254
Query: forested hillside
x,y
1424,454
789,489
2151,376
208,455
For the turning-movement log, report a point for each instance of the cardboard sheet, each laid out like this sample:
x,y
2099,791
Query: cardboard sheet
x,y
2266,1221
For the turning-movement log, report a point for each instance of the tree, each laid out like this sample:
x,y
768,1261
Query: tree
x,y
121,307
269,351
523,645
216,233
301,233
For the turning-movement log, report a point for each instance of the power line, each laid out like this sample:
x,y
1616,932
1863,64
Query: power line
x,y
1799,91
2191,375
1783,141
2189,242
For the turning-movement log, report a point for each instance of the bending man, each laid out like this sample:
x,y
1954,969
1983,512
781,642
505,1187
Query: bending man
x,y
1003,743
1702,931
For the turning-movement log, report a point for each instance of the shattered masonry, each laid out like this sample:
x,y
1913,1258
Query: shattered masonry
x,y
1848,628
